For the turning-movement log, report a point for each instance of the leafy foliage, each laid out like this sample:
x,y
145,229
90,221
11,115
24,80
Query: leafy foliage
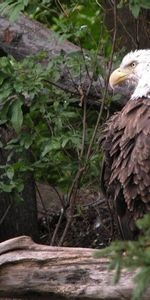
x,y
135,5
82,24
132,255
13,8
51,129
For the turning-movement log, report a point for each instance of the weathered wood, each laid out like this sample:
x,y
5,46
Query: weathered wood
x,y
27,37
27,269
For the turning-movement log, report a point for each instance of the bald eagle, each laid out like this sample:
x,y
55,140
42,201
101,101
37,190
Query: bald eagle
x,y
126,145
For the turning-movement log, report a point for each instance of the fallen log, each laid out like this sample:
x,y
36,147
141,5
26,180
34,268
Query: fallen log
x,y
28,37
38,271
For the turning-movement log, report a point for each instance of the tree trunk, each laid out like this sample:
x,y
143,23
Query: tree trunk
x,y
17,218
36,271
131,33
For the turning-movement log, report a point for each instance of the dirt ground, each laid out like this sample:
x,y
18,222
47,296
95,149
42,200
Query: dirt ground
x,y
92,224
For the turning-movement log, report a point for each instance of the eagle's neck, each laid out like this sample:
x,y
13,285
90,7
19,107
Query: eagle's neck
x,y
143,88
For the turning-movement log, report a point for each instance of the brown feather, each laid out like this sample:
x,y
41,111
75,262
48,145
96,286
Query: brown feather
x,y
126,146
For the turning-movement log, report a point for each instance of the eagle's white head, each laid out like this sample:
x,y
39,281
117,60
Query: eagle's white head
x,y
135,71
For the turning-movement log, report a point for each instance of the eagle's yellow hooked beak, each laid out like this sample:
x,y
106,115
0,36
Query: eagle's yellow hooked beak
x,y
118,76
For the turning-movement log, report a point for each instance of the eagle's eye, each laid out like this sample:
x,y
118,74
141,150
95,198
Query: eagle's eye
x,y
133,64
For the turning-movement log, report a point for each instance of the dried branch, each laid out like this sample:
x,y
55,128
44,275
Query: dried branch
x,y
107,82
57,227
82,168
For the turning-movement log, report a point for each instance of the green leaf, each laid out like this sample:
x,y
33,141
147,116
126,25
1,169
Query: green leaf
x,y
10,172
19,187
26,140
56,105
118,271
65,141
135,9
134,6
2,77
16,115
120,4
18,198
145,4
52,145
6,187
13,16
13,8
142,281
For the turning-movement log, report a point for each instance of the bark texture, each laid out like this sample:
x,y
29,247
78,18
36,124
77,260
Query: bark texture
x,y
26,37
131,33
36,271
17,218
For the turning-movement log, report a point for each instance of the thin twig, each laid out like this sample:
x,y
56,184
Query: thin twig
x,y
72,80
5,213
44,207
123,26
84,100
63,209
41,198
127,32
63,88
137,32
65,231
107,82
76,179
110,66
71,199
82,169
85,65
49,125
73,189
57,228
62,8
71,202
84,127
145,28
61,199
69,214
94,203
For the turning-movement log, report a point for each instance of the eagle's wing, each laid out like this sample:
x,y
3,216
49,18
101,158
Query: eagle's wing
x,y
127,159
